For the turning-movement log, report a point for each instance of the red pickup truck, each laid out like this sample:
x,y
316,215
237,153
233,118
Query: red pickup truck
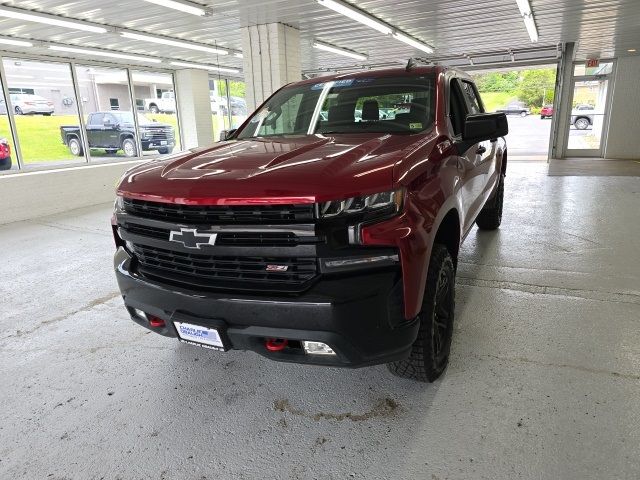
x,y
326,229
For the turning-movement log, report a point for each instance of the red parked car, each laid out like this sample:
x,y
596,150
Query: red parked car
x,y
546,112
315,234
5,154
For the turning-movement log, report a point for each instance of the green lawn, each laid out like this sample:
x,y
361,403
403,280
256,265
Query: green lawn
x,y
495,100
40,136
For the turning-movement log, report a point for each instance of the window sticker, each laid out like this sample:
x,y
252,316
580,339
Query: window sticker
x,y
317,86
343,83
415,126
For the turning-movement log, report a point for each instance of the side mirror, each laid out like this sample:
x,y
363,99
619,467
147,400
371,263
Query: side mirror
x,y
480,127
227,134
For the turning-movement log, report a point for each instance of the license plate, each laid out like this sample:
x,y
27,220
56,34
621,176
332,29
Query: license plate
x,y
199,335
163,142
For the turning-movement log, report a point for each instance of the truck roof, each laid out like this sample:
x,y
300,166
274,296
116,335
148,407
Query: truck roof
x,y
387,72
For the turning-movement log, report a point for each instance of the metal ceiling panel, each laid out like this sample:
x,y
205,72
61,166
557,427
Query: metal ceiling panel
x,y
604,28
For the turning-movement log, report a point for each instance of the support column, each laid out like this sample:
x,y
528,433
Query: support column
x,y
562,103
194,107
271,60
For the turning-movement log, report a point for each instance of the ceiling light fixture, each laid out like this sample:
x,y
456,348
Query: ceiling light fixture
x,y
54,20
632,50
339,51
371,21
185,7
174,43
529,21
357,15
17,43
413,42
212,68
104,53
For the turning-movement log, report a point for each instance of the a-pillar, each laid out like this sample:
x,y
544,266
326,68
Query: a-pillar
x,y
271,60
194,107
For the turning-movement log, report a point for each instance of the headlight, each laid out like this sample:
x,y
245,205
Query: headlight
x,y
384,203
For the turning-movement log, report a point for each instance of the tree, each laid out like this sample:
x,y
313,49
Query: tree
x,y
497,81
236,88
537,87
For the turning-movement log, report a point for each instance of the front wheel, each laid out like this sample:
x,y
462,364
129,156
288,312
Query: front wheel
x,y
154,109
19,111
129,147
523,114
490,216
430,352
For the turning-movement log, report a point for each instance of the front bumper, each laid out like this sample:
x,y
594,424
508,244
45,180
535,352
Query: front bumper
x,y
157,144
358,314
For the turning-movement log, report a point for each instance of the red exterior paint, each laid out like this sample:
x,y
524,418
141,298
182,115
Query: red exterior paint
x,y
316,168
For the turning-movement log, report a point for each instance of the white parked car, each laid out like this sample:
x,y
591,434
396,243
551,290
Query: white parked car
x,y
25,104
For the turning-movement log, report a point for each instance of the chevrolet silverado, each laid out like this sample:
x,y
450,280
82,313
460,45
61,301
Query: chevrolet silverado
x,y
309,235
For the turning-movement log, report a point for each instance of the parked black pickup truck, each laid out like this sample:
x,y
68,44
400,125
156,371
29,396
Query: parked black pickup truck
x,y
115,131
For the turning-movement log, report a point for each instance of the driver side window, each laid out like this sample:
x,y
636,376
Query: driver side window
x,y
457,107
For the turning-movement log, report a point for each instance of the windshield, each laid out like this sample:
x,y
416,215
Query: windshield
x,y
360,105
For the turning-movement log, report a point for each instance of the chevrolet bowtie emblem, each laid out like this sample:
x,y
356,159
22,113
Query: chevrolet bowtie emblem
x,y
190,238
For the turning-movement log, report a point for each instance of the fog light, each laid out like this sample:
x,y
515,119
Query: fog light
x,y
140,314
317,348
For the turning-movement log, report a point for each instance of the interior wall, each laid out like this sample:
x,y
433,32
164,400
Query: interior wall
x,y
35,194
624,127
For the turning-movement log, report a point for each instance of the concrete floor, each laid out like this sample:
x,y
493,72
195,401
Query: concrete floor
x,y
544,380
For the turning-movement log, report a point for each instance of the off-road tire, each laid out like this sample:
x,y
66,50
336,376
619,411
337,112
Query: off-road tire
x,y
430,354
490,216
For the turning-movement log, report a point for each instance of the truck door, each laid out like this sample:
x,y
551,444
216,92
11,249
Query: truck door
x,y
94,129
470,175
110,131
485,152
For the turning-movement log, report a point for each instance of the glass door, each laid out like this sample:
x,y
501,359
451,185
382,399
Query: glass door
x,y
589,112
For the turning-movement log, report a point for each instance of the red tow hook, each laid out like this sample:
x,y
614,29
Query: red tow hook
x,y
155,322
275,344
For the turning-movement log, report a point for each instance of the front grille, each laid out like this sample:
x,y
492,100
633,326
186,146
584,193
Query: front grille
x,y
158,134
237,273
220,214
236,239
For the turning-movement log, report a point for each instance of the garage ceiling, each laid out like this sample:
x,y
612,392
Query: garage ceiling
x,y
462,31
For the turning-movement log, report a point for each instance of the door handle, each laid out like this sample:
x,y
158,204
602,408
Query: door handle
x,y
481,149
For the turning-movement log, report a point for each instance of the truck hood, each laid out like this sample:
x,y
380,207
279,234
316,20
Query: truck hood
x,y
295,169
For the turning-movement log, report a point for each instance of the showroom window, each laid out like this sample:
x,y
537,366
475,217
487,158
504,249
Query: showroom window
x,y
40,116
228,105
8,160
157,112
106,90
